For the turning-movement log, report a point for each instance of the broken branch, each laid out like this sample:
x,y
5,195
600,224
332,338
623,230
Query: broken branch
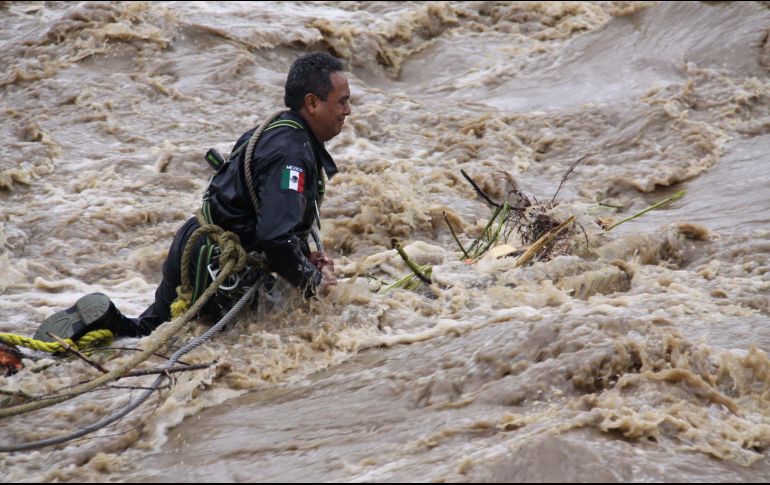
x,y
478,189
78,354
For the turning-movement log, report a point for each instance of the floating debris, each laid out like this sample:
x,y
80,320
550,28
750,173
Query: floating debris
x,y
10,360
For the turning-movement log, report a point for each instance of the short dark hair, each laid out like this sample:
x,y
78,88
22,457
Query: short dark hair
x,y
310,73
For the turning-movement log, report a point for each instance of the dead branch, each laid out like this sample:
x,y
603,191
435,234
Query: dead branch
x,y
156,354
569,171
170,370
142,388
478,189
78,354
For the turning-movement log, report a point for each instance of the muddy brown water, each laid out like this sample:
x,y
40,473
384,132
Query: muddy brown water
x,y
641,357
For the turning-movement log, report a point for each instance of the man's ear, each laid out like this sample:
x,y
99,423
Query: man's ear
x,y
311,103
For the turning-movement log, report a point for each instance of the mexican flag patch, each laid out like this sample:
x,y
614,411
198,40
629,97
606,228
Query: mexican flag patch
x,y
293,178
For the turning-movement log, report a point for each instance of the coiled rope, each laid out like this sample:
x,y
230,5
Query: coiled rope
x,y
230,247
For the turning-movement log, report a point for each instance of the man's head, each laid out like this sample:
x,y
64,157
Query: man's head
x,y
318,90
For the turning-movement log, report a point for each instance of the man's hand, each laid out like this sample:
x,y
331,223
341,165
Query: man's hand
x,y
320,260
325,265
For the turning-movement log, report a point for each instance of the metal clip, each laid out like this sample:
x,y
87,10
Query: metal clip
x,y
215,272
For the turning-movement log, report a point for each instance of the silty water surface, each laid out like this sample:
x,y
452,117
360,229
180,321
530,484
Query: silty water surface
x,y
641,357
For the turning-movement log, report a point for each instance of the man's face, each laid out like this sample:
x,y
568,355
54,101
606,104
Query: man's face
x,y
327,117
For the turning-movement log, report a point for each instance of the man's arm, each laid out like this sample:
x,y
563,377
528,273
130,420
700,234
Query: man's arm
x,y
283,199
286,258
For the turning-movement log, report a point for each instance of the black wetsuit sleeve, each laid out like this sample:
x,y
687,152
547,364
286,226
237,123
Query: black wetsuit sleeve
x,y
285,192
286,258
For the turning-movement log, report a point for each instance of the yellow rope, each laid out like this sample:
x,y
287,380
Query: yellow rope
x,y
180,305
91,339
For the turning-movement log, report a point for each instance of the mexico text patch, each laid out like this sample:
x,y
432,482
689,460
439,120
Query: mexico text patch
x,y
293,178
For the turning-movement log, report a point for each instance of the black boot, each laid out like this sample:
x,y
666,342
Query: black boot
x,y
91,312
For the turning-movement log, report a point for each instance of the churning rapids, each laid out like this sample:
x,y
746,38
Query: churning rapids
x,y
641,354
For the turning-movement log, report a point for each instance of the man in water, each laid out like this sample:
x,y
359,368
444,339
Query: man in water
x,y
288,167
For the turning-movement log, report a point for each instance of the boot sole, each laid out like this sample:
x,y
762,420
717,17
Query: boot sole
x,y
88,310
92,307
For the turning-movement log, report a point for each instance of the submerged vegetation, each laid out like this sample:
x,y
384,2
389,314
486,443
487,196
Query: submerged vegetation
x,y
541,234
